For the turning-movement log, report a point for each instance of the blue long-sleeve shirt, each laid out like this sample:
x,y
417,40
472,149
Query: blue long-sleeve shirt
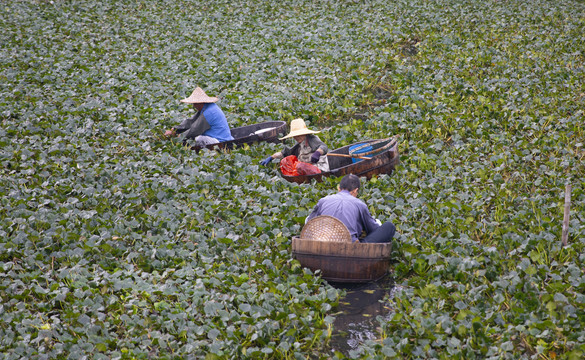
x,y
219,128
210,121
349,210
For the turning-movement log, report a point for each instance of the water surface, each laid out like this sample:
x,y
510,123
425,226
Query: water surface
x,y
356,320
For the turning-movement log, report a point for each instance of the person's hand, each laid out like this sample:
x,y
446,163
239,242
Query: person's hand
x,y
315,157
266,161
170,133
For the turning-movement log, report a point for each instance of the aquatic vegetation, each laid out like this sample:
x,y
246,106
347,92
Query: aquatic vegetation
x,y
117,243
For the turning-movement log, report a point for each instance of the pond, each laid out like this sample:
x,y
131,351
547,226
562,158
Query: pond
x,y
356,319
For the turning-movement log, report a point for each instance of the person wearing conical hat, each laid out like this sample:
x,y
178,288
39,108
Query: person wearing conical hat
x,y
208,126
308,148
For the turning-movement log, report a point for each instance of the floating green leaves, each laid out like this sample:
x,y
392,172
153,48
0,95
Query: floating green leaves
x,y
117,243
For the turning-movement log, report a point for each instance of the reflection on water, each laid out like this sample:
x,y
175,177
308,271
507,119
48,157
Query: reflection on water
x,y
356,320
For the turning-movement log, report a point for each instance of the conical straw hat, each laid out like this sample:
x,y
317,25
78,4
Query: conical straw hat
x,y
298,127
198,97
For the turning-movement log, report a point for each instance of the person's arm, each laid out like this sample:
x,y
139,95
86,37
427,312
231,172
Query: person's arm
x,y
317,145
198,127
182,127
278,155
267,161
186,124
368,220
289,151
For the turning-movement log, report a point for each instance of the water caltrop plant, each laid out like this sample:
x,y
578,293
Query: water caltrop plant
x,y
118,243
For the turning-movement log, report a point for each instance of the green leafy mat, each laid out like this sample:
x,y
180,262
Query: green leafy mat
x,y
117,243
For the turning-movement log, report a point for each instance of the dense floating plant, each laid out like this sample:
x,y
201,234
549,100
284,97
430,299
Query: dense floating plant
x,y
118,243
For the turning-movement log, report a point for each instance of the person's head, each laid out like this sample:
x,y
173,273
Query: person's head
x,y
298,130
350,183
300,138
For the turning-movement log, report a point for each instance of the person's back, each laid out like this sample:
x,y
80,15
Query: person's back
x,y
349,210
219,128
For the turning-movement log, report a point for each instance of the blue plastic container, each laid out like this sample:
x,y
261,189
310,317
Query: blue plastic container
x,y
358,149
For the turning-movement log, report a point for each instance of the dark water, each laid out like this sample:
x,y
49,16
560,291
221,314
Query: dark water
x,y
357,312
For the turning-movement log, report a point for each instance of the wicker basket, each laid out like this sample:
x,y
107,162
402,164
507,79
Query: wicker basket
x,y
326,228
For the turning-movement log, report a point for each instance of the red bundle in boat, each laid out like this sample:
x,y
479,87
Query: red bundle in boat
x,y
288,166
304,168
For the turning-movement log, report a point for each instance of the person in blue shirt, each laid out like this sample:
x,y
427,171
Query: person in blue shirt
x,y
208,126
354,213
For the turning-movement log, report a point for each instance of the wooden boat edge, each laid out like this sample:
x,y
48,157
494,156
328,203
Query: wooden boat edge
x,y
369,268
269,136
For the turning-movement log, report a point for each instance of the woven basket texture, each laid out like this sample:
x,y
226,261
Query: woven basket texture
x,y
325,228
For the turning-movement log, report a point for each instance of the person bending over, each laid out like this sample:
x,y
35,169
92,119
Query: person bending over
x,y
208,126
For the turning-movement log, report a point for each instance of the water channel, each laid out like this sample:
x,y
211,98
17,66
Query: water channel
x,y
356,318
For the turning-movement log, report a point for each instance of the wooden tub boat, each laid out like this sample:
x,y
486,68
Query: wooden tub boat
x,y
342,162
325,245
268,131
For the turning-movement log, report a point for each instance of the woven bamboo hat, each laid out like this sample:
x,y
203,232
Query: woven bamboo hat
x,y
298,127
199,97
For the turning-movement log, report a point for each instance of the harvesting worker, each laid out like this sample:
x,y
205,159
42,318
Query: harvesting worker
x,y
354,213
309,149
208,126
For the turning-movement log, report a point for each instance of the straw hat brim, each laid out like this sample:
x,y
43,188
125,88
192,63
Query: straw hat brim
x,y
199,97
299,132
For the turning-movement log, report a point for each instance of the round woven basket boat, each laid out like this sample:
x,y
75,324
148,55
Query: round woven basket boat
x,y
325,228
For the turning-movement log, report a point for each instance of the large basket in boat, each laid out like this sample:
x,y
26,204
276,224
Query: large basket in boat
x,y
325,228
